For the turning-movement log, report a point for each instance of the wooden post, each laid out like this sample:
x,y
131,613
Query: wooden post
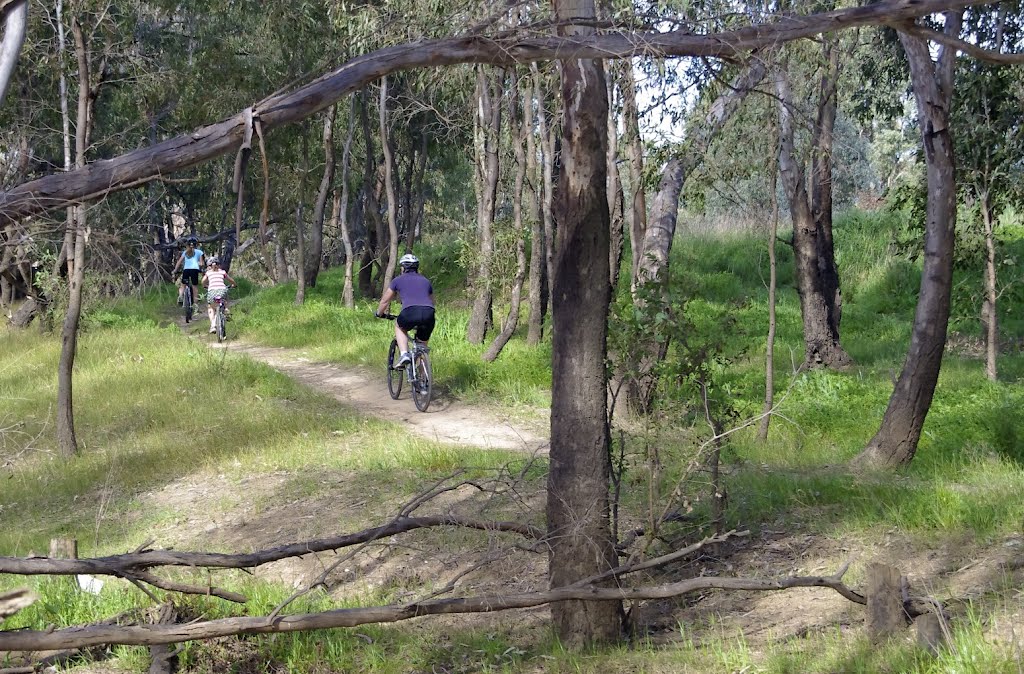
x,y
886,617
63,548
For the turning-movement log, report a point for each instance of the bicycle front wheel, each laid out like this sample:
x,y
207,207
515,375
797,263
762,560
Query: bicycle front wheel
x,y
221,328
187,301
394,376
421,384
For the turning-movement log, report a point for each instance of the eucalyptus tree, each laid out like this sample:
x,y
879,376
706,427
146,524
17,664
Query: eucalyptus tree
x,y
817,276
989,143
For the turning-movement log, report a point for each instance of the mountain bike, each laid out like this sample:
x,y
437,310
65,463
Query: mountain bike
x,y
188,300
417,371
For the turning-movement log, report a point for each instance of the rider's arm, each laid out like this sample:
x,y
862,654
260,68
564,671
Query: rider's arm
x,y
228,278
177,264
385,301
204,281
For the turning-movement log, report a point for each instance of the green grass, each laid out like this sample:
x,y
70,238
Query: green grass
x,y
154,409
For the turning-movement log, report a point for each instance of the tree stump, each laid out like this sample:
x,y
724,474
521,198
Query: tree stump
x,y
886,617
165,656
931,631
24,314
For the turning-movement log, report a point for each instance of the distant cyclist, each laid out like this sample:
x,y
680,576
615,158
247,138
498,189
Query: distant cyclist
x,y
216,279
416,294
192,259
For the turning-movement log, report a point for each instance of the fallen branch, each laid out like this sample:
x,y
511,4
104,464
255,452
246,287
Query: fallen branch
x,y
132,564
147,635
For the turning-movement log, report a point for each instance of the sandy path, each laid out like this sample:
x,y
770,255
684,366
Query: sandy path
x,y
446,420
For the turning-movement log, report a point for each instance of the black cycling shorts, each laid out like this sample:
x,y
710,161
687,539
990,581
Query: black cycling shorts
x,y
190,275
421,318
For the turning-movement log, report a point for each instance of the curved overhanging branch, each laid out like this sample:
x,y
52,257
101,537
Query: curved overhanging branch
x,y
175,154
966,47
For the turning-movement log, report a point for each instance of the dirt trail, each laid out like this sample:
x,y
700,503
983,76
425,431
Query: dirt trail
x,y
446,420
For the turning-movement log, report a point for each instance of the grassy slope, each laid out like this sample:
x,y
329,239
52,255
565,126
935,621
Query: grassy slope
x,y
136,410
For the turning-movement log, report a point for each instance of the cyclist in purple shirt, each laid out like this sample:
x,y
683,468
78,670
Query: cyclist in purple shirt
x,y
416,294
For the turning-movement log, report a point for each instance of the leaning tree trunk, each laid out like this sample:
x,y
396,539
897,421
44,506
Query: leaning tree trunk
x,y
655,248
66,437
316,231
389,186
990,319
518,133
488,138
895,443
15,25
341,211
579,529
821,339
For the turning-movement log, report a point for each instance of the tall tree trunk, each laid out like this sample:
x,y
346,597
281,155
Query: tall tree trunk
x,y
634,144
518,132
821,182
769,355
280,261
301,263
821,338
579,529
316,231
895,443
300,254
535,321
341,211
489,114
416,214
389,186
615,207
66,437
989,317
547,148
371,209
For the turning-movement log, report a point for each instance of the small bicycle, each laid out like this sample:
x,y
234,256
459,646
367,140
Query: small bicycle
x,y
417,371
220,318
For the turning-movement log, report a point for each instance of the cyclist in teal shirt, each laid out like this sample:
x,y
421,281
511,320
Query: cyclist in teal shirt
x,y
191,259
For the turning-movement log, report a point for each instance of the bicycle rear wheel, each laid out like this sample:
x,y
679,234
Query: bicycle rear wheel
x,y
421,384
394,376
187,301
221,328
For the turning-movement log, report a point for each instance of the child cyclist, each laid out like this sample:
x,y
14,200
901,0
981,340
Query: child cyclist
x,y
216,280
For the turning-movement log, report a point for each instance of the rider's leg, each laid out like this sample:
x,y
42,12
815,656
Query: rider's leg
x,y
402,337
211,314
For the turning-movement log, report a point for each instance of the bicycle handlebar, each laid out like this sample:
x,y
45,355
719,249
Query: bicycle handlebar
x,y
387,317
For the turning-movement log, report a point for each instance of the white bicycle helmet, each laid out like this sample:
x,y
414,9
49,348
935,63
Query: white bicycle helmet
x,y
409,261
